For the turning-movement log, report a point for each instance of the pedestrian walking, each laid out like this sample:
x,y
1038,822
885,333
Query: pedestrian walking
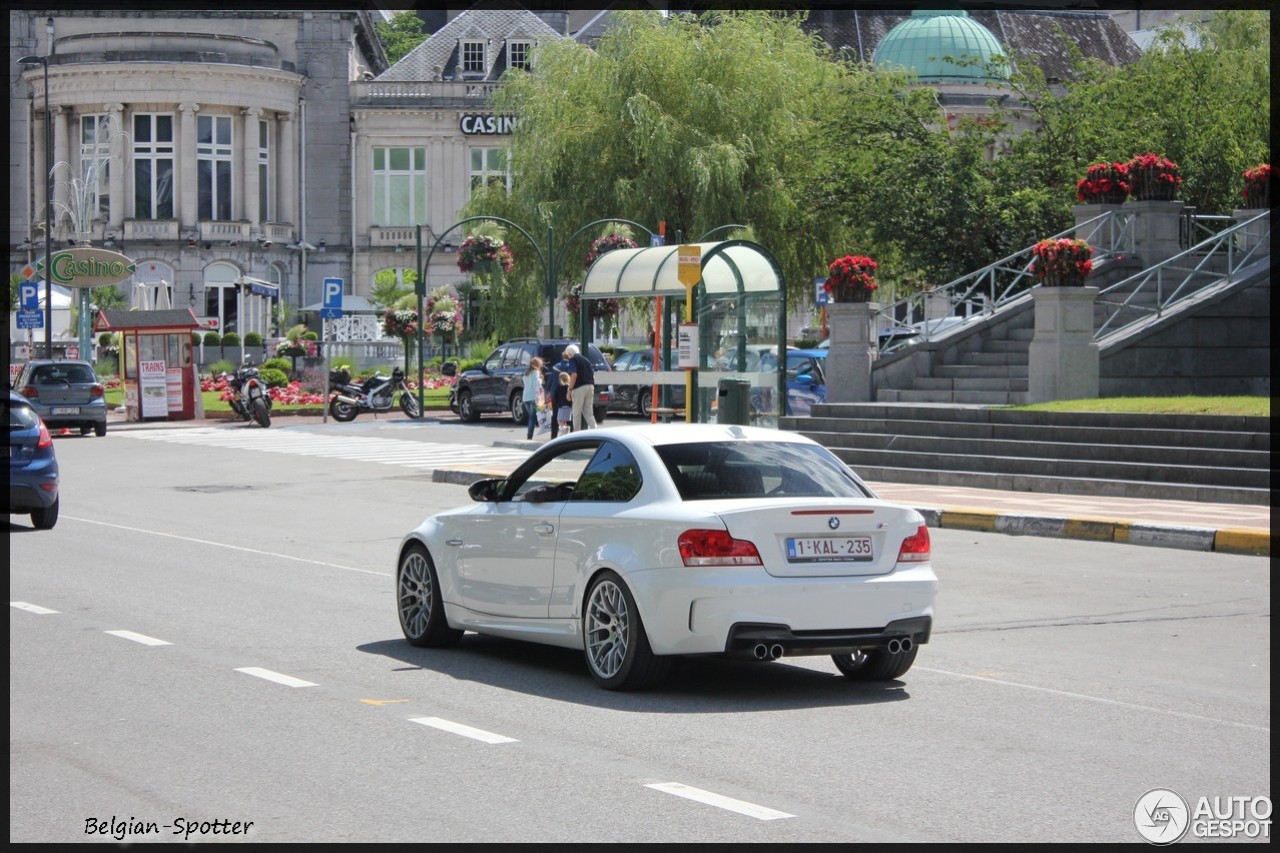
x,y
582,384
531,395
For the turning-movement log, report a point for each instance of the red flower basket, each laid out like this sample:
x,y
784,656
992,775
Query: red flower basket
x,y
484,254
1104,183
607,243
1257,187
1062,263
1153,178
851,279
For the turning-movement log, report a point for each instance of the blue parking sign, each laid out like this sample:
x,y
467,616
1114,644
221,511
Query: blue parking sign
x,y
331,304
29,295
820,295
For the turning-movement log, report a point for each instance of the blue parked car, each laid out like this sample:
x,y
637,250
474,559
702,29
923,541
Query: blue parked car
x,y
806,377
33,467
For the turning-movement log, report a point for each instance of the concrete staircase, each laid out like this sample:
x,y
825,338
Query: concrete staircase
x,y
1208,458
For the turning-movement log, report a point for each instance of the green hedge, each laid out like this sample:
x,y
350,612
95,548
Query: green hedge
x,y
252,339
274,378
231,339
212,339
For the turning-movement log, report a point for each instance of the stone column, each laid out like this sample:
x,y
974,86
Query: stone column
x,y
1064,361
249,168
282,169
116,168
61,176
1155,229
853,351
188,188
1256,235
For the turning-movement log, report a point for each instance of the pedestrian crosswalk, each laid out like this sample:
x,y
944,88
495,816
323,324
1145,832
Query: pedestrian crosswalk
x,y
419,455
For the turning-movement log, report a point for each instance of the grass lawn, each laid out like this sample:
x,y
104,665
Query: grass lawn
x,y
1239,406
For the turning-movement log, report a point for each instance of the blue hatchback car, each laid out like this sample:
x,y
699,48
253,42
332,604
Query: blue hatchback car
x,y
33,467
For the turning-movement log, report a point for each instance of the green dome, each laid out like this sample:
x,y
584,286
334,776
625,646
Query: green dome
x,y
920,43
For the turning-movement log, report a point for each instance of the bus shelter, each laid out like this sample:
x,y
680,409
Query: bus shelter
x,y
734,334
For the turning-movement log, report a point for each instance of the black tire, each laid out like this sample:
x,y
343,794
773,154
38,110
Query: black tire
x,y
616,646
644,403
409,405
875,664
419,604
261,415
601,411
517,408
100,429
466,408
45,519
85,429
343,412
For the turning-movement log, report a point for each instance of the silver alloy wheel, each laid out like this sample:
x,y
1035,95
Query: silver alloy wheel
x,y
415,594
608,624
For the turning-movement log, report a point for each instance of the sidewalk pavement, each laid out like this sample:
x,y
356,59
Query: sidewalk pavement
x,y
1189,525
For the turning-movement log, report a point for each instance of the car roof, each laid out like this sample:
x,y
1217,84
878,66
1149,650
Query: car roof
x,y
812,353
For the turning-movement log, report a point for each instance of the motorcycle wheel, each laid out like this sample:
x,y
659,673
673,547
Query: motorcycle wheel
x,y
260,413
343,412
409,405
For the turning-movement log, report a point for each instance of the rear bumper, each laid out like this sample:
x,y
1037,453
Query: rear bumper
x,y
24,496
744,638
89,414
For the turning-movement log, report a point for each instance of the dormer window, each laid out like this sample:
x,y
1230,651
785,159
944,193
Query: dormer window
x,y
518,54
473,57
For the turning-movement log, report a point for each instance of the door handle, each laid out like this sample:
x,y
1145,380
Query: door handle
x,y
453,542
544,527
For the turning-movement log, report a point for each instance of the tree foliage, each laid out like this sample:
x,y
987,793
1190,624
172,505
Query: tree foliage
x,y
400,35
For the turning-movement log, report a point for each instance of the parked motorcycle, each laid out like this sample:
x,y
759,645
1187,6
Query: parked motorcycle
x,y
249,397
375,394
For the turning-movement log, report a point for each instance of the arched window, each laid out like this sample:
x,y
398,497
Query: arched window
x,y
220,295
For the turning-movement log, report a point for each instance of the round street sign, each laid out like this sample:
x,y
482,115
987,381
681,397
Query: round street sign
x,y
85,267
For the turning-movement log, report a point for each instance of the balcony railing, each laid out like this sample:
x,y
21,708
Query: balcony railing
x,y
438,93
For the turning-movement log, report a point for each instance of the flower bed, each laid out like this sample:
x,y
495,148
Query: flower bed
x,y
1104,183
1062,263
851,279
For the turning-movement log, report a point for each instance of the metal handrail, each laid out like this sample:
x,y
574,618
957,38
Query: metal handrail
x,y
999,283
1175,280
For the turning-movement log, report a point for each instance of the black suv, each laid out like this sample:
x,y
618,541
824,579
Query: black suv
x,y
498,384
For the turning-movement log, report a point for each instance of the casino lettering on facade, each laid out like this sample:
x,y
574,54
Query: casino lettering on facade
x,y
66,268
475,124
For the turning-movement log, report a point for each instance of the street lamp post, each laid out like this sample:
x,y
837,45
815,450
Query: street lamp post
x,y
48,207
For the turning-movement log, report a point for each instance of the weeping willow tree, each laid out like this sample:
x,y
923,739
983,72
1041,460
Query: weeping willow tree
x,y
695,121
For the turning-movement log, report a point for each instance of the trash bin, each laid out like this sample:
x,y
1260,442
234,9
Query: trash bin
x,y
733,404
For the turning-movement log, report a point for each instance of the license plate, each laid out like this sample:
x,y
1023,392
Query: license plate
x,y
64,410
830,549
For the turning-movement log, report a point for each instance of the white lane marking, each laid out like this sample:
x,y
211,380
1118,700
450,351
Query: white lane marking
x,y
719,801
387,451
139,638
278,678
460,729
1099,699
31,608
272,554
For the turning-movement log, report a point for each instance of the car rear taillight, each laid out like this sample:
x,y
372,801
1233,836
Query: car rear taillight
x,y
44,439
95,391
915,548
30,392
716,548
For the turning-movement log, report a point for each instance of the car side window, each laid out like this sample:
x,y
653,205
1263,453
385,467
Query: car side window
x,y
494,361
555,479
612,476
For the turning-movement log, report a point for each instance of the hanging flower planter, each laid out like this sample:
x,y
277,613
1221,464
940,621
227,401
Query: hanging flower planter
x,y
1257,187
599,307
1153,178
485,255
1062,263
851,279
1104,183
400,323
607,243
444,315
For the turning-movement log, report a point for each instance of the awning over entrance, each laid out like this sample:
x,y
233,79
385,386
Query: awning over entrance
x,y
728,267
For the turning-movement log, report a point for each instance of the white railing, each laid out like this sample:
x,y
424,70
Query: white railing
x,y
1165,285
987,290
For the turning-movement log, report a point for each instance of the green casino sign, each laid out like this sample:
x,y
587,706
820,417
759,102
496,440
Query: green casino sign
x,y
84,267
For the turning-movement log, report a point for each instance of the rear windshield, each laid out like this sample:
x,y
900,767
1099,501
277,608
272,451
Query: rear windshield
x,y
757,469
55,374
21,416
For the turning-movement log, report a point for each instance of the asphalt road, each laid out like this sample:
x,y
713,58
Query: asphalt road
x,y
261,678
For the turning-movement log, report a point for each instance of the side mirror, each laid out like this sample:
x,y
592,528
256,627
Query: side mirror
x,y
484,491
449,368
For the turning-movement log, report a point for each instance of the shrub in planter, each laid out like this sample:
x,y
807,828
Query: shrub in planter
x,y
273,378
195,339
221,366
231,339
310,336
284,365
252,339
212,339
104,339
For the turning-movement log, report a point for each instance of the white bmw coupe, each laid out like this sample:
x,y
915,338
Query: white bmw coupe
x,y
636,544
